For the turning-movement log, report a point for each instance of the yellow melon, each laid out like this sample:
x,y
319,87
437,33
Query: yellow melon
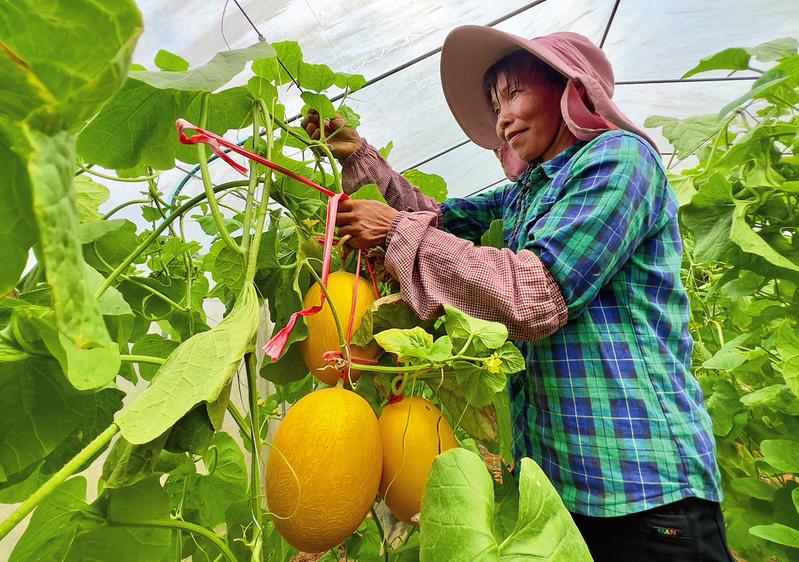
x,y
414,432
323,469
322,334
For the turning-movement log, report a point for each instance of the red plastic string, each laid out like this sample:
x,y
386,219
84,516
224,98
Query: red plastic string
x,y
275,346
354,298
372,277
216,143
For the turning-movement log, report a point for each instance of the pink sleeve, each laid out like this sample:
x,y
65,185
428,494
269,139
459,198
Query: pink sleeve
x,y
366,165
434,267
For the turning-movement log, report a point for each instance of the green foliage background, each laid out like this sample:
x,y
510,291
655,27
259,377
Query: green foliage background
x,y
107,304
739,219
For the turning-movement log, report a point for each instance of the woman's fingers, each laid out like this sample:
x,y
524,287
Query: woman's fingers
x,y
343,219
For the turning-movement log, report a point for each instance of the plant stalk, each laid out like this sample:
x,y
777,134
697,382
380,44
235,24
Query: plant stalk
x,y
97,444
255,457
245,235
209,190
182,525
157,232
88,170
240,421
143,359
121,206
260,216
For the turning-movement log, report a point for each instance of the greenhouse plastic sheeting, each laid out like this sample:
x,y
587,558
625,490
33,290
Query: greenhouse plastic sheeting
x,y
396,46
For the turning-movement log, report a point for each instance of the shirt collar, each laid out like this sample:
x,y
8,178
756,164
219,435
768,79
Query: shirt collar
x,y
550,167
553,166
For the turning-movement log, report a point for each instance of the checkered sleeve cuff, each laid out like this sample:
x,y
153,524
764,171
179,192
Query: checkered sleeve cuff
x,y
436,268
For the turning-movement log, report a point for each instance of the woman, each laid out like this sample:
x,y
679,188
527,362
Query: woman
x,y
588,285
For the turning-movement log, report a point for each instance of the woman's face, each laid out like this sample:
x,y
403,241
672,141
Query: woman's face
x,y
528,113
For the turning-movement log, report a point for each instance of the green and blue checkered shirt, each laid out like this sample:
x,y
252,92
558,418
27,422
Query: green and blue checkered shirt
x,y
608,406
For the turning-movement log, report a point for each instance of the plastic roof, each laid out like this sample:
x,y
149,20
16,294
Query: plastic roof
x,y
395,44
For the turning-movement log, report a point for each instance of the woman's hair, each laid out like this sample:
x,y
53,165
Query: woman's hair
x,y
515,65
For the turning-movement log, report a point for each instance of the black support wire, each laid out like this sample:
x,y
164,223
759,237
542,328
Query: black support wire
x,y
504,18
247,17
610,22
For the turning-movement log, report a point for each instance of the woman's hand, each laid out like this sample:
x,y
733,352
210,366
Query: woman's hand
x,y
365,221
341,139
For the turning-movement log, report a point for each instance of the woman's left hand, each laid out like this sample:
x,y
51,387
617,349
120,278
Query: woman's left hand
x,y
365,221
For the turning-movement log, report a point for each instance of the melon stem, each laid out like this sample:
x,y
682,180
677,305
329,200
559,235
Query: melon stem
x,y
255,459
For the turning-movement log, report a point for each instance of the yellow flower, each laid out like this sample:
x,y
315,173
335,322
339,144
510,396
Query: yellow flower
x,y
493,363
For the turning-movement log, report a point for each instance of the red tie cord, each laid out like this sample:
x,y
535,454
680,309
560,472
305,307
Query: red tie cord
x,y
372,277
275,346
216,143
368,262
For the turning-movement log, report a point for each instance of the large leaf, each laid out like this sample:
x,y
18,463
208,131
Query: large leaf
x,y
544,528
458,510
209,77
709,218
17,224
54,84
52,75
115,139
749,241
197,371
65,528
127,464
728,357
686,135
782,454
758,91
733,59
775,50
386,313
43,415
482,335
212,494
51,529
788,347
778,533
90,195
457,519
722,404
92,358
480,423
432,185
154,346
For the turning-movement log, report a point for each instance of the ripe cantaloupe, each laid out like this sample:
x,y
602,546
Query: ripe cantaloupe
x,y
322,334
331,440
407,460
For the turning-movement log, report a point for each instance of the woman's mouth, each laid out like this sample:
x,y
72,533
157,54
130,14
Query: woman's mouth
x,y
512,135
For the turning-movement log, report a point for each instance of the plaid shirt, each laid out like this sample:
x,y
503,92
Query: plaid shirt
x,y
608,406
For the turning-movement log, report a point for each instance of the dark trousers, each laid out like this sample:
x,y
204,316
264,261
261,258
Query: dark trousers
x,y
690,530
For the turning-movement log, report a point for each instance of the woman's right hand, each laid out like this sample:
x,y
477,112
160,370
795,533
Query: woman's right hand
x,y
341,139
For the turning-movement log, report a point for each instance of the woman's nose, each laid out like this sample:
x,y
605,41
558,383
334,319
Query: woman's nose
x,y
504,118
